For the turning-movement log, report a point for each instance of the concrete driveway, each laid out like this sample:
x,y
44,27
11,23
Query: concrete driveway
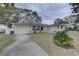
x,y
23,45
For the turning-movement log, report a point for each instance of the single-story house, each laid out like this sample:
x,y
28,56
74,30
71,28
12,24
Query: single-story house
x,y
40,27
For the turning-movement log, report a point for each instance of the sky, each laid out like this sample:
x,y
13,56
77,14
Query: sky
x,y
48,11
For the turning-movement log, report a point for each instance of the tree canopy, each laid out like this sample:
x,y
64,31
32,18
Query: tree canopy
x,y
10,13
6,10
58,21
75,7
75,10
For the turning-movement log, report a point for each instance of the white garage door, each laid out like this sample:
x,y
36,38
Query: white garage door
x,y
23,30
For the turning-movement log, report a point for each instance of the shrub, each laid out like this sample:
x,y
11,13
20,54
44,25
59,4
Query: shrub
x,y
62,39
66,29
69,29
34,29
75,27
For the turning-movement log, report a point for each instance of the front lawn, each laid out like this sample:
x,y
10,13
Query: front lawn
x,y
45,41
73,33
5,40
75,36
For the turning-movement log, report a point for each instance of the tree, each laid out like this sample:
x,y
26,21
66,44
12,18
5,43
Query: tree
x,y
6,11
32,16
9,5
40,19
75,10
9,13
58,21
75,7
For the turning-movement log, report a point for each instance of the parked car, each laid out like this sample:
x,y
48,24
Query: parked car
x,y
2,28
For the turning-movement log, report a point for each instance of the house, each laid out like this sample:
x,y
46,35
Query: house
x,y
39,28
70,19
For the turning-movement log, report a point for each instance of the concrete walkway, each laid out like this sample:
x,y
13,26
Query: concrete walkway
x,y
23,46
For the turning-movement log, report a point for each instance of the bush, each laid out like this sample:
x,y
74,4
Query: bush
x,y
62,39
69,29
66,29
34,29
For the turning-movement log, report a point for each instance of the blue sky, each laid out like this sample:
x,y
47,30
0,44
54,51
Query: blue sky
x,y
48,11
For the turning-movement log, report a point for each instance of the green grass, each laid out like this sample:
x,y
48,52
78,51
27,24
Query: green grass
x,y
75,36
45,41
74,33
5,40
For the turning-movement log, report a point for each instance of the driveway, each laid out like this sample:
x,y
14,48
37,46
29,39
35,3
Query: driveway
x,y
23,45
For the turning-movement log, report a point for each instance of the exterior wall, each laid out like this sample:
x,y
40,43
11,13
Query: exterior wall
x,y
72,26
52,29
23,29
45,29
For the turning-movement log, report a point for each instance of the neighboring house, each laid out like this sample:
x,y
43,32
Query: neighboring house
x,y
70,19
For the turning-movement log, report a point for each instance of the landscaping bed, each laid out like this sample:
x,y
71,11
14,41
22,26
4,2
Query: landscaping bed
x,y
5,40
62,39
45,41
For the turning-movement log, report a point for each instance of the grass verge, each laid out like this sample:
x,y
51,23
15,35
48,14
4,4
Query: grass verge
x,y
5,40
